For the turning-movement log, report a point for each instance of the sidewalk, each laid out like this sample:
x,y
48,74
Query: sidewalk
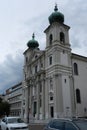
x,y
36,126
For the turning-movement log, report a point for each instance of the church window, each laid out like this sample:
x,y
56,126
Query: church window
x,y
36,69
65,80
35,108
62,37
30,71
75,69
36,56
25,75
52,111
51,84
78,97
41,65
50,60
63,51
34,90
40,87
26,59
50,39
51,98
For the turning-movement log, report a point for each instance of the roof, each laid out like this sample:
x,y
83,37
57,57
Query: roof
x,y
70,119
79,57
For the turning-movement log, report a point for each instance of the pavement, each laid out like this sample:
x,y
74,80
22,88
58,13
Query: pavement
x,y
36,126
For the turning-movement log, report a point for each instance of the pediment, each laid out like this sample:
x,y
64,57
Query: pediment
x,y
35,54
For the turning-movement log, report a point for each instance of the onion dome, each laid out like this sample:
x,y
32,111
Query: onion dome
x,y
33,43
56,16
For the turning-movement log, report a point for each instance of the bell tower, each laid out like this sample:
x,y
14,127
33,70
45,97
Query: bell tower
x,y
58,65
57,32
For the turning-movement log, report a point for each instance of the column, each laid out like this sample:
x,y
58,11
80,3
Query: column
x,y
46,99
54,96
26,104
38,101
43,99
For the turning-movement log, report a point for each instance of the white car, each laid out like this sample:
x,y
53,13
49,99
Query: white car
x,y
13,123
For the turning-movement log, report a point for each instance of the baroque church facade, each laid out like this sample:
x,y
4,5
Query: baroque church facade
x,y
55,79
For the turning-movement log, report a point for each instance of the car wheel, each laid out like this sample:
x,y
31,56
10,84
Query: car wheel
x,y
0,128
7,129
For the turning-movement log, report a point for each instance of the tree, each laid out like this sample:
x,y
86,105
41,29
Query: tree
x,y
4,108
0,99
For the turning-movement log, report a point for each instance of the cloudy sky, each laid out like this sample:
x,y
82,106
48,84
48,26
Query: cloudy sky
x,y
20,18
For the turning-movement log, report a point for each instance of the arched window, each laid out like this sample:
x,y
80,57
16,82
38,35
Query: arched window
x,y
50,60
36,69
62,37
78,97
75,69
36,56
26,59
50,39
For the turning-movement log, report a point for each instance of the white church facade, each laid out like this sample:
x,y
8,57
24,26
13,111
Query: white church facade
x,y
55,79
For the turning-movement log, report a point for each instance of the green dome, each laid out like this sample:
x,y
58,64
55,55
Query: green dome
x,y
56,16
33,43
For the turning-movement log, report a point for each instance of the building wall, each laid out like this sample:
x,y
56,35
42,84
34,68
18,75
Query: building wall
x,y
14,97
80,82
50,83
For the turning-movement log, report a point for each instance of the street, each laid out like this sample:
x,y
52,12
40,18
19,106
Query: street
x,y
35,127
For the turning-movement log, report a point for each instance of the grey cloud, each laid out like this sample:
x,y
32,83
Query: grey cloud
x,y
75,16
11,71
38,27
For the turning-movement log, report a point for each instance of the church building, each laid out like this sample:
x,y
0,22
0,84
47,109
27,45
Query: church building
x,y
55,79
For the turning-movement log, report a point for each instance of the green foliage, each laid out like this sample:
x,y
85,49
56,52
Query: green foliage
x,y
4,108
0,99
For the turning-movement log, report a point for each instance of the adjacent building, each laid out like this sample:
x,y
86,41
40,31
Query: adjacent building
x,y
55,83
14,97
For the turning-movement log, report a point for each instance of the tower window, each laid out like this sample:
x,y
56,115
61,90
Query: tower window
x,y
78,97
50,60
50,39
62,37
75,69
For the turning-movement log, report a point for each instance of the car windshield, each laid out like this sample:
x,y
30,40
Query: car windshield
x,y
82,124
15,120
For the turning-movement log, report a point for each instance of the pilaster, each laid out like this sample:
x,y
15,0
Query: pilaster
x,y
58,100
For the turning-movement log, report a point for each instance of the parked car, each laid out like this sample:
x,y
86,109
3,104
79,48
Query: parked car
x,y
67,124
0,125
13,123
